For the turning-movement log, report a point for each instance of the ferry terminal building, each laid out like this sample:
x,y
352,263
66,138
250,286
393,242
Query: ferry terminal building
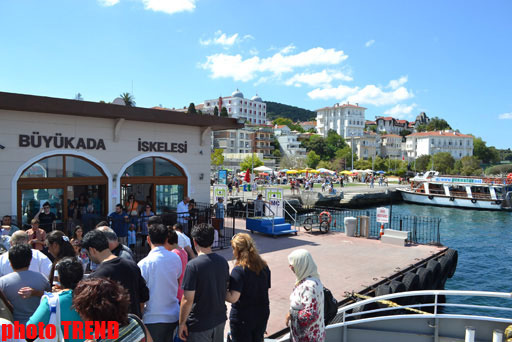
x,y
93,155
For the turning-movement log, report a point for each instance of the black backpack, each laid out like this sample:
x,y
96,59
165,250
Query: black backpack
x,y
330,306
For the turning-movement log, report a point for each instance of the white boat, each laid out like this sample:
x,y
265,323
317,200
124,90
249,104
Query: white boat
x,y
435,321
459,191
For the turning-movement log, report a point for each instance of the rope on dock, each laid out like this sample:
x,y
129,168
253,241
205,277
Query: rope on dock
x,y
391,304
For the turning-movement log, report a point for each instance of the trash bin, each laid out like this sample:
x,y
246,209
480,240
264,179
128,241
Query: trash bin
x,y
245,187
248,187
350,226
364,226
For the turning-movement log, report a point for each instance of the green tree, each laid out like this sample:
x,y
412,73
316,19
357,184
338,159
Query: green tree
x,y
128,99
224,112
499,170
312,159
325,165
405,132
482,152
200,112
191,108
363,164
422,162
443,162
250,161
345,154
318,144
217,157
380,164
371,128
216,111
468,166
333,142
276,153
435,124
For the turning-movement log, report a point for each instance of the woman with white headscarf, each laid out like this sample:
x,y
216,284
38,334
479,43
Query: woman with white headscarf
x,y
306,316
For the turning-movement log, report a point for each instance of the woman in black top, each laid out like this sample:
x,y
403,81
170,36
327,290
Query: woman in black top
x,y
248,291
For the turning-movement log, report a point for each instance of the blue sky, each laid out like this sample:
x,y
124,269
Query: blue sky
x,y
451,59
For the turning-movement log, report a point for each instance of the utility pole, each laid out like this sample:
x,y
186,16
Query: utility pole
x,y
352,149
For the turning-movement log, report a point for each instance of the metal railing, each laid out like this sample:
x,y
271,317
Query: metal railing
x,y
294,217
423,229
352,315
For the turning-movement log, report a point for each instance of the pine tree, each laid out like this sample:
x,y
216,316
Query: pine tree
x,y
216,111
191,108
224,112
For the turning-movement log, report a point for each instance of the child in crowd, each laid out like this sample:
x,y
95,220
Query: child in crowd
x,y
132,238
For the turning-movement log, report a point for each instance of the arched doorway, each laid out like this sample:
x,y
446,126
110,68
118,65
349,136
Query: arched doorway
x,y
156,181
66,182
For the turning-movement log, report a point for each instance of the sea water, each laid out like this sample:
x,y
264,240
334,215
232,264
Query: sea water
x,y
483,240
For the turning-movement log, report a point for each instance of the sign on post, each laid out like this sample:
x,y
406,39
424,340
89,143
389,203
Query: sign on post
x,y
220,191
383,215
223,176
275,200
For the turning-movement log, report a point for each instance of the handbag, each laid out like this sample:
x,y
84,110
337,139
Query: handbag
x,y
53,303
330,306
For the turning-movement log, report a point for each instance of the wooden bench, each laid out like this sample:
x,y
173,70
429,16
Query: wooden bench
x,y
394,237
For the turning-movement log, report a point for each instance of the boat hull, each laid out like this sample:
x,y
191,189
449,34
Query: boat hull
x,y
454,202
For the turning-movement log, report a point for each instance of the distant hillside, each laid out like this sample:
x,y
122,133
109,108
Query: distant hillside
x,y
275,110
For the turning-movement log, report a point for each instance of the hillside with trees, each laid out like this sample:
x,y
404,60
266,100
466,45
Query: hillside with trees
x,y
278,110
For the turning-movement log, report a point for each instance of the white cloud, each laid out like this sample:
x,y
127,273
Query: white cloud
x,y
395,84
224,40
234,66
340,92
506,116
254,51
369,43
108,3
369,94
401,110
169,6
322,78
287,49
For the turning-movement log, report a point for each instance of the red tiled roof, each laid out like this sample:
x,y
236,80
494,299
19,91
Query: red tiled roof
x,y
387,118
440,134
390,136
281,126
369,122
402,121
308,123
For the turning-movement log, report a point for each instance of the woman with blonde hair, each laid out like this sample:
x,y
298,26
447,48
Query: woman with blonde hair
x,y
248,291
306,315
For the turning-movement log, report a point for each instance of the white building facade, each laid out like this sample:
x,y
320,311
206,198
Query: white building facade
x,y
346,119
366,146
290,146
391,146
254,110
423,143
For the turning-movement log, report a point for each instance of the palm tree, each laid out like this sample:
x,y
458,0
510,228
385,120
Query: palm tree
x,y
128,99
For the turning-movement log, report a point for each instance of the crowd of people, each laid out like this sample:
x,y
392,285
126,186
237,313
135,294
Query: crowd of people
x,y
178,292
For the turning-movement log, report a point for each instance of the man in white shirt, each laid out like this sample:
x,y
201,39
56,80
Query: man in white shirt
x,y
184,241
161,269
182,212
39,262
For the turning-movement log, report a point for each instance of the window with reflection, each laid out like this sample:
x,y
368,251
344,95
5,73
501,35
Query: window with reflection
x,y
141,168
45,168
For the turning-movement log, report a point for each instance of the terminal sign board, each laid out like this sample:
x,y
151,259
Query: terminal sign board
x,y
275,202
383,215
220,191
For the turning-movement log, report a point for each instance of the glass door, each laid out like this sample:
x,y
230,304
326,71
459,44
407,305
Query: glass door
x,y
32,201
168,197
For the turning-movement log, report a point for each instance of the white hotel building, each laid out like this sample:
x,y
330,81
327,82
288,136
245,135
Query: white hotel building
x,y
253,110
422,143
346,119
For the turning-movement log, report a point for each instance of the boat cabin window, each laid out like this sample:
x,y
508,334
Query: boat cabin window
x,y
436,189
458,191
480,192
499,192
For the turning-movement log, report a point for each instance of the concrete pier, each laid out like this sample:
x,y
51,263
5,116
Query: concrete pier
x,y
345,264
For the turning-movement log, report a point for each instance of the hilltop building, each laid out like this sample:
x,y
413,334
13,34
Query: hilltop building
x,y
253,110
345,119
423,143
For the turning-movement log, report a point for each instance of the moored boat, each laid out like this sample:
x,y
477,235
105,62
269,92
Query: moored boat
x,y
493,193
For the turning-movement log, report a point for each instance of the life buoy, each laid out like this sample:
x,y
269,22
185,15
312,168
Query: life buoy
x,y
329,217
473,201
430,197
452,199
